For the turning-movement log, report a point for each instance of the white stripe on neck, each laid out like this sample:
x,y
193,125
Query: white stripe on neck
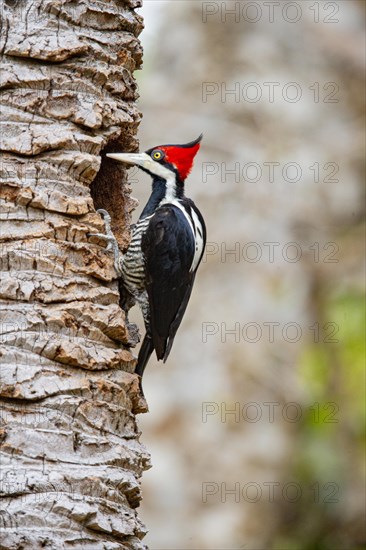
x,y
164,173
196,228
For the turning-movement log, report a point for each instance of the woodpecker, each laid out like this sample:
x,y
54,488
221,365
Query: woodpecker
x,y
166,248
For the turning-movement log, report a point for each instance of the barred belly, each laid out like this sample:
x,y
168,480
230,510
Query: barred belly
x,y
133,267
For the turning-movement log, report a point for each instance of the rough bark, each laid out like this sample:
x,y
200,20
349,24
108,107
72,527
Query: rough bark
x,y
71,456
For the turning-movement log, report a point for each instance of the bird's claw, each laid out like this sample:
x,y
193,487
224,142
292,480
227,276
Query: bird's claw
x,y
105,215
110,240
108,236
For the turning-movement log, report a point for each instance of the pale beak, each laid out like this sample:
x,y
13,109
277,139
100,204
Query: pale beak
x,y
130,158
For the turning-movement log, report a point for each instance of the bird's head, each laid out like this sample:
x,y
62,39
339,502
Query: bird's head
x,y
164,161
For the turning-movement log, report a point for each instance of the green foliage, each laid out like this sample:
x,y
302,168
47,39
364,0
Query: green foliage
x,y
331,435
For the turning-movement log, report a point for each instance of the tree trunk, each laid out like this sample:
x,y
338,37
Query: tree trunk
x,y
71,457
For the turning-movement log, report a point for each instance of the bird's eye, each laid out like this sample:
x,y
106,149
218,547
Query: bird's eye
x,y
157,155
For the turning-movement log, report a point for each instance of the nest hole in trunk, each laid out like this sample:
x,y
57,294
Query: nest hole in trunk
x,y
110,190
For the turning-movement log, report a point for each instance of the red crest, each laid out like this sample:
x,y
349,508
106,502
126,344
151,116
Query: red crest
x,y
182,156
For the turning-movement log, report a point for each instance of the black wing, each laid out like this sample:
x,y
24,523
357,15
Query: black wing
x,y
168,247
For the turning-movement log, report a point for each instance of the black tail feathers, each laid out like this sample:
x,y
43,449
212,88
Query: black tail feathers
x,y
144,355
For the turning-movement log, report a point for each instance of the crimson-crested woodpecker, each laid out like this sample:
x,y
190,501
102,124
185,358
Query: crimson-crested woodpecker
x,y
166,246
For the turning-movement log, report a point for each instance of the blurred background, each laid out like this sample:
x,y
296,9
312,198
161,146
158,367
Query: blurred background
x,y
256,424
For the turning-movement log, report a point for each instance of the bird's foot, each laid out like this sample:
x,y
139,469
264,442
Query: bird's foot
x,y
110,240
112,243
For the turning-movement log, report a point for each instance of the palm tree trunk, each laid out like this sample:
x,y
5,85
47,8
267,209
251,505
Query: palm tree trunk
x,y
71,457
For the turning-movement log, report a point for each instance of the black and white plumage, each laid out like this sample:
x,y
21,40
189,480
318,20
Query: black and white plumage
x,y
166,247
169,249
